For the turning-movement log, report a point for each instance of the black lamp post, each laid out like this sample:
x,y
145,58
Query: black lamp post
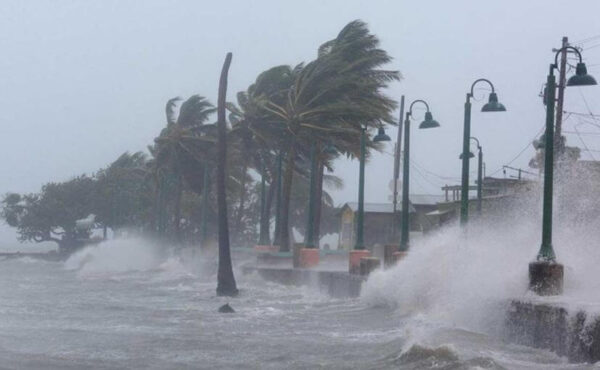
x,y
545,274
479,172
381,136
491,106
428,122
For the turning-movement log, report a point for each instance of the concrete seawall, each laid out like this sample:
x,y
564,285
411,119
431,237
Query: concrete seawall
x,y
574,334
337,284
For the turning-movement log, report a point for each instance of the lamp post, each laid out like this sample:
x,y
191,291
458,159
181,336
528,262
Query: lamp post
x,y
479,172
545,274
491,106
429,122
381,136
359,246
479,175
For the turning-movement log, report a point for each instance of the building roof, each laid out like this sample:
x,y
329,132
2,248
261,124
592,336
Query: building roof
x,y
378,207
426,199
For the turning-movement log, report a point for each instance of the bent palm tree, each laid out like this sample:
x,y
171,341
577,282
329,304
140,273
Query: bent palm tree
x,y
226,285
331,99
182,147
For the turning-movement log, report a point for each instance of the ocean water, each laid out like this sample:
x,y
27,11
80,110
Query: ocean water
x,y
125,305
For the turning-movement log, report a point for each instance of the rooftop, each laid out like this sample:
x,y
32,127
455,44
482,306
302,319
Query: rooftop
x,y
377,207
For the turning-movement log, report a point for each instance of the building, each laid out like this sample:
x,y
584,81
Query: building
x,y
379,220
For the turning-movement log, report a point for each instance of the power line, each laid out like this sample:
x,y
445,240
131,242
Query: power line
x,y
521,152
591,47
582,114
583,133
583,41
433,173
583,142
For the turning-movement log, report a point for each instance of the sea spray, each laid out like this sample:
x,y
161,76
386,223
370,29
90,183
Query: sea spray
x,y
116,255
465,278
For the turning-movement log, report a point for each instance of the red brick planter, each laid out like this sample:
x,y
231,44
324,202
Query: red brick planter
x,y
309,257
354,259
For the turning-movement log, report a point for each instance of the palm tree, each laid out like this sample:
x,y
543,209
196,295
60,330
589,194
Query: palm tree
x,y
123,192
331,99
226,285
256,136
180,149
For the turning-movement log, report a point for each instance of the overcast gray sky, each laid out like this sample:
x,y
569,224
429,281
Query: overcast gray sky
x,y
83,81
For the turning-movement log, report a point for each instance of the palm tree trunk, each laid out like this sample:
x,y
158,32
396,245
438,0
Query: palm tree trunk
x,y
177,210
225,280
265,221
279,182
286,196
160,208
240,212
318,203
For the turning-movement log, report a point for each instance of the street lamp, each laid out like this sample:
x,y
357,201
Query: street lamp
x,y
491,106
380,137
359,246
479,172
545,274
428,122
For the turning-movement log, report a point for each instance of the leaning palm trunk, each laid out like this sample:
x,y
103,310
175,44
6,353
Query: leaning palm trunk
x,y
286,196
225,280
177,210
277,234
240,213
266,216
160,208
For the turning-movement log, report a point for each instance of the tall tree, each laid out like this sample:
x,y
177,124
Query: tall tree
x,y
226,285
181,151
49,216
332,98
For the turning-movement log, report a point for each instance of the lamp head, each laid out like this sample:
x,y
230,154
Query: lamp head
x,y
493,105
429,122
471,155
381,136
581,77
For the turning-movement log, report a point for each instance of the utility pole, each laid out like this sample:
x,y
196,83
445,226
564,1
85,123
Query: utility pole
x,y
397,168
558,144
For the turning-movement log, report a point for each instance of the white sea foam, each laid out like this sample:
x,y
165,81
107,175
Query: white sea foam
x,y
467,280
117,255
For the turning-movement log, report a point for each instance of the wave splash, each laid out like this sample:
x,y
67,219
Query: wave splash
x,y
117,255
466,279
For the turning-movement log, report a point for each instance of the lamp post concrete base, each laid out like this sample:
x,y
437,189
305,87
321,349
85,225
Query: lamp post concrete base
x,y
354,259
308,257
397,256
368,265
388,255
546,278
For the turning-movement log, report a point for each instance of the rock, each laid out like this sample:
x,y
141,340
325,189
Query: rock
x,y
226,308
